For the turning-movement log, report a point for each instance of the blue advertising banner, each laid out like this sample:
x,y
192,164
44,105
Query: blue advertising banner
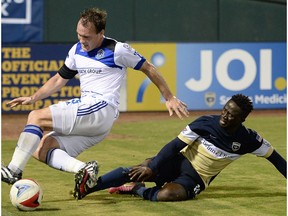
x,y
22,20
208,74
26,68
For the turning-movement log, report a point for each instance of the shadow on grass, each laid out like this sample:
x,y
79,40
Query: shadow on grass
x,y
238,192
100,199
47,209
211,193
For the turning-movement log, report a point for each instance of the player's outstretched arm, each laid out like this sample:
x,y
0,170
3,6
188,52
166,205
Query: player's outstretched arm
x,y
279,162
173,104
53,85
20,101
177,106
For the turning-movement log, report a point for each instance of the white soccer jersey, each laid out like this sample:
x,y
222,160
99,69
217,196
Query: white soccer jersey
x,y
102,70
81,124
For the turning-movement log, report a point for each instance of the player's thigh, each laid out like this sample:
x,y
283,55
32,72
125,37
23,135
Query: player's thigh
x,y
41,117
172,192
182,176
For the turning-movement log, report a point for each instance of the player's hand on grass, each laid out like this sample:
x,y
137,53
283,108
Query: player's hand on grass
x,y
140,173
177,106
20,101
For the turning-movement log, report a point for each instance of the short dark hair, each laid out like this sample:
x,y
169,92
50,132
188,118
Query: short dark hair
x,y
95,16
244,102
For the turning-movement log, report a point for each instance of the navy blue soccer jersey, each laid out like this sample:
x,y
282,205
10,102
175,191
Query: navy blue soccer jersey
x,y
210,148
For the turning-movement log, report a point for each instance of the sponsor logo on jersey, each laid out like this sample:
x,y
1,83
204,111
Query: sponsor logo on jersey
x,y
236,146
216,152
89,71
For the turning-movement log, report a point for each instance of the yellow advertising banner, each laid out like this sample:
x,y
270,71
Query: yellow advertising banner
x,y
142,94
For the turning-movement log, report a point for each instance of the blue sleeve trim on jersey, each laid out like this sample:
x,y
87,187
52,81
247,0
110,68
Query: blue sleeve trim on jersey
x,y
140,63
279,162
167,152
66,73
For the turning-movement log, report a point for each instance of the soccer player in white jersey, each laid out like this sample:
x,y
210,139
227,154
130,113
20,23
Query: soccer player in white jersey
x,y
189,163
81,123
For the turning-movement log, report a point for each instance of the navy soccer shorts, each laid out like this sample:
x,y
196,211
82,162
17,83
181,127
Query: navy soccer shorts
x,y
179,170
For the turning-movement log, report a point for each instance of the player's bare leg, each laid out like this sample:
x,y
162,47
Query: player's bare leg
x,y
27,143
49,152
46,143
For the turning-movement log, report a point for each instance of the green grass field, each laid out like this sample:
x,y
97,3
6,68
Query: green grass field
x,y
249,186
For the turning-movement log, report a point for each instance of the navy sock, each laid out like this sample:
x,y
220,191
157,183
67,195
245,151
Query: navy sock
x,y
114,178
140,191
151,193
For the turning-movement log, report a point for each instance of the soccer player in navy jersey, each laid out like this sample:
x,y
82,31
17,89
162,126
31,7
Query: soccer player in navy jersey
x,y
78,124
188,164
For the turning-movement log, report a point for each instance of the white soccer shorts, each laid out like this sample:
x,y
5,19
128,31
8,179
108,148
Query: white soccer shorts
x,y
81,124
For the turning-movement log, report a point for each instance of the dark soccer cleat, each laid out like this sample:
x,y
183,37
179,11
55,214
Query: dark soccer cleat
x,y
85,178
8,176
80,184
129,188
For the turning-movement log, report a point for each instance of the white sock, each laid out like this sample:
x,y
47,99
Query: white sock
x,y
27,144
60,160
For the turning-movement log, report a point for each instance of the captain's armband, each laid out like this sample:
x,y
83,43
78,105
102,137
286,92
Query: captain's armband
x,y
66,73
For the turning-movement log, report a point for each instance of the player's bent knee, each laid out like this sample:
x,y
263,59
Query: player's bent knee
x,y
32,117
41,118
172,192
47,143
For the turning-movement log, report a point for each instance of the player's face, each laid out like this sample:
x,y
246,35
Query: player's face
x,y
231,116
88,37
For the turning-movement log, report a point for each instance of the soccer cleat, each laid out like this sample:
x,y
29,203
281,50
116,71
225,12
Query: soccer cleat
x,y
8,176
92,169
126,188
85,178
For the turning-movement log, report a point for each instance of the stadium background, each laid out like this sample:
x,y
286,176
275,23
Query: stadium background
x,y
150,24
243,40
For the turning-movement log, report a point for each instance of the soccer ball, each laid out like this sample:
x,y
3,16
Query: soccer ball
x,y
26,194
